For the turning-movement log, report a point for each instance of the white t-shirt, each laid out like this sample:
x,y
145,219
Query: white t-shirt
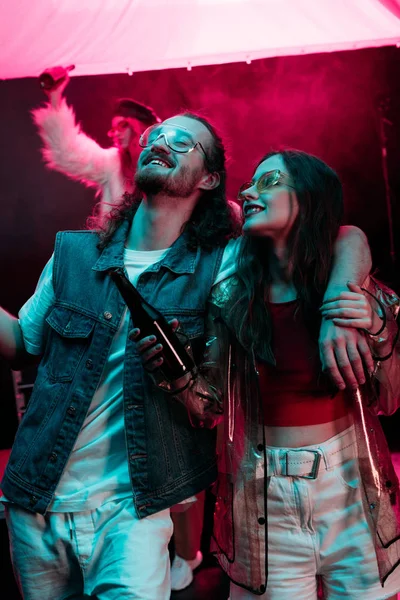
x,y
97,469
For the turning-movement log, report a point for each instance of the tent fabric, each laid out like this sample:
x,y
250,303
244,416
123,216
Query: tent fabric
x,y
115,36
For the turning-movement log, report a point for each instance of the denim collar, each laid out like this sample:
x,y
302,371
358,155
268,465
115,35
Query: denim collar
x,y
179,258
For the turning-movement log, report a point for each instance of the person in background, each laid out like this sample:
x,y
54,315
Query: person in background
x,y
66,148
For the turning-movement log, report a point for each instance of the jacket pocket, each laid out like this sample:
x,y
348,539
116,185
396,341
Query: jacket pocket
x,y
69,335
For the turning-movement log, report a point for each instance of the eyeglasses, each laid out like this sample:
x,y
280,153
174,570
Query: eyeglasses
x,y
179,139
118,128
265,182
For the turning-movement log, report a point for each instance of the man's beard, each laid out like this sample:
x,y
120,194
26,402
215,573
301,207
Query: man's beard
x,y
180,185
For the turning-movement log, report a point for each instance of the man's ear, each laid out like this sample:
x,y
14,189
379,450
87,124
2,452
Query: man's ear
x,y
209,181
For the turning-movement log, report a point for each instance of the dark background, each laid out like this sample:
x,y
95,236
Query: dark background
x,y
328,104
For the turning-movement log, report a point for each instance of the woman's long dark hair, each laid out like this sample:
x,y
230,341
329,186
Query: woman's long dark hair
x,y
310,250
212,222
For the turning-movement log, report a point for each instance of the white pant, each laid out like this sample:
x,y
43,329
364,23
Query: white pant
x,y
106,554
318,526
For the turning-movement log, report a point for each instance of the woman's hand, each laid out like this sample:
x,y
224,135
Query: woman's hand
x,y
55,94
351,309
150,348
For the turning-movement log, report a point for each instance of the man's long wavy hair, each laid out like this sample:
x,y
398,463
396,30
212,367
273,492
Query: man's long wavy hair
x,y
310,250
211,223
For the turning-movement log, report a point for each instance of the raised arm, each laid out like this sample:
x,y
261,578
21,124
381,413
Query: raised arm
x,y
67,149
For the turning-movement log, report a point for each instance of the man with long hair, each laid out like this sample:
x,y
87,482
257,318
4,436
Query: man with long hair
x,y
102,454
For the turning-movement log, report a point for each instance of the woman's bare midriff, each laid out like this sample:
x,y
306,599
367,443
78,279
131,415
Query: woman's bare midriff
x,y
305,435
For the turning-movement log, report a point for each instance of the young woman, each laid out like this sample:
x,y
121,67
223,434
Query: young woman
x,y
306,487
305,472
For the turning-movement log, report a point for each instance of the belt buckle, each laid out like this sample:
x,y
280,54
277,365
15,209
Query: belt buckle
x,y
315,467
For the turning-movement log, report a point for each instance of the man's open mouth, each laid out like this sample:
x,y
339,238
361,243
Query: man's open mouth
x,y
160,162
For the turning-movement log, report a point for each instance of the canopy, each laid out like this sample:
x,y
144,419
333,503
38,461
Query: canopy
x,y
114,36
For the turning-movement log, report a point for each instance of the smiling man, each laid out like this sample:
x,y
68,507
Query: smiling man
x,y
174,136
102,454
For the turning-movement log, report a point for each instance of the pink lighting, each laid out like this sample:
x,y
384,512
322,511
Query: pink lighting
x,y
101,36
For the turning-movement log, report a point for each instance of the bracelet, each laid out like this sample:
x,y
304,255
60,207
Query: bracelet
x,y
383,317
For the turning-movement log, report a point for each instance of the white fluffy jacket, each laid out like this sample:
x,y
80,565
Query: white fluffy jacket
x,y
68,150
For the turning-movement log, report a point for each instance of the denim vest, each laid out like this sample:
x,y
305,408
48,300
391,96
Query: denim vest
x,y
169,460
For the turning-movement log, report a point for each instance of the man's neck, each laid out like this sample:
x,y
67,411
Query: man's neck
x,y
157,225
